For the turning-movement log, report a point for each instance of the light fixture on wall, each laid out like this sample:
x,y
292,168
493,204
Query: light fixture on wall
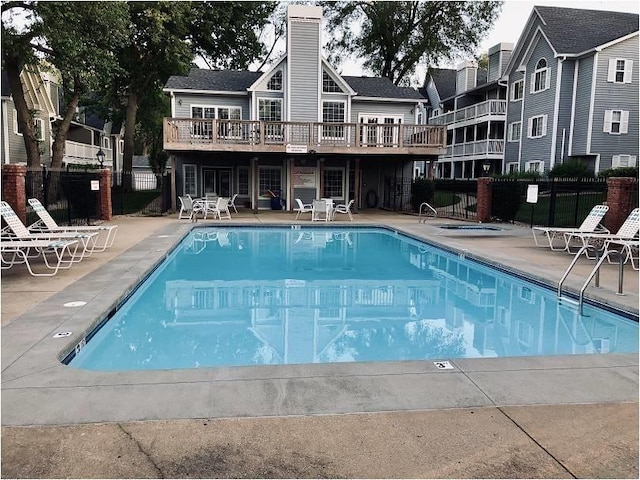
x,y
100,156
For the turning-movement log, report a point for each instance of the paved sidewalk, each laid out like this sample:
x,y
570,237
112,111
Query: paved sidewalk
x,y
541,436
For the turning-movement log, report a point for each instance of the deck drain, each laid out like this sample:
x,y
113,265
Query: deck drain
x,y
75,304
62,334
443,365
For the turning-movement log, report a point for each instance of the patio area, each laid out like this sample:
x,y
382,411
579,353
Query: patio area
x,y
544,417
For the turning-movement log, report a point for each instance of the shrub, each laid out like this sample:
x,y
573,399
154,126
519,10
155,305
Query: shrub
x,y
422,190
572,169
619,172
527,175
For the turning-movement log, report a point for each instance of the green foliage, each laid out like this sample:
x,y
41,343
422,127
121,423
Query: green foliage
x,y
572,169
422,190
619,172
393,38
525,175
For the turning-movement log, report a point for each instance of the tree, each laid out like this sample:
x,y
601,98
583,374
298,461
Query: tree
x,y
394,38
76,39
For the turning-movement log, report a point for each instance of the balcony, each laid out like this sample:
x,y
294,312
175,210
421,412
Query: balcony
x,y
480,112
480,149
76,152
197,134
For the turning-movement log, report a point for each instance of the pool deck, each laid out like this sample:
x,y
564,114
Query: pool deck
x,y
537,417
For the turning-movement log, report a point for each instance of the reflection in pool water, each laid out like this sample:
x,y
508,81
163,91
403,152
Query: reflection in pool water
x,y
251,296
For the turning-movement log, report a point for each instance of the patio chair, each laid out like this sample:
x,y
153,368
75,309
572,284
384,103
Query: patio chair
x,y
232,202
189,208
344,208
219,208
16,230
46,223
302,208
628,231
18,252
590,224
320,211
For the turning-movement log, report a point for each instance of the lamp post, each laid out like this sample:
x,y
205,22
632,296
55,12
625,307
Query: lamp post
x,y
486,166
100,156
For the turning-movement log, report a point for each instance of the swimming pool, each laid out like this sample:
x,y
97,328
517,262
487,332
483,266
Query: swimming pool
x,y
267,295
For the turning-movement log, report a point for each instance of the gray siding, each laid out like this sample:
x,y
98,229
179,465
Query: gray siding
x,y
433,95
382,108
541,103
304,71
564,111
17,150
616,96
582,106
184,110
514,111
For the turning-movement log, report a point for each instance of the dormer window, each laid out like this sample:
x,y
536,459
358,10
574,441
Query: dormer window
x,y
540,79
329,85
275,82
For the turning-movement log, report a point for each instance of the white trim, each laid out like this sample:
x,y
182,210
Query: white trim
x,y
207,92
522,107
510,128
344,180
527,165
268,73
612,42
5,131
512,91
15,123
270,99
556,109
597,164
543,126
592,103
385,99
184,176
576,70
345,85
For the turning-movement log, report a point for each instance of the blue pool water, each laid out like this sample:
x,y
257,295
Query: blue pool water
x,y
255,296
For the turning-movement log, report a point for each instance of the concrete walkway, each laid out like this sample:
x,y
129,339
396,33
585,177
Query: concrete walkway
x,y
568,417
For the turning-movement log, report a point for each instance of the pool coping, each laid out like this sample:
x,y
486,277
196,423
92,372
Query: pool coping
x,y
38,390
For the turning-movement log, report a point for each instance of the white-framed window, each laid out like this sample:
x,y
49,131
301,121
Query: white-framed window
x,y
620,70
275,82
619,161
121,147
333,112
329,85
514,131
537,126
535,166
106,142
269,178
616,122
270,110
38,126
517,90
333,182
513,167
243,180
189,178
540,78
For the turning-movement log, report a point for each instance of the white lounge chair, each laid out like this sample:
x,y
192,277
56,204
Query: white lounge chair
x,y
344,208
628,249
48,224
628,231
16,230
232,202
17,252
302,208
590,224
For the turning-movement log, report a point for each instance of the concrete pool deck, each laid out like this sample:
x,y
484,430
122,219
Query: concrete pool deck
x,y
544,417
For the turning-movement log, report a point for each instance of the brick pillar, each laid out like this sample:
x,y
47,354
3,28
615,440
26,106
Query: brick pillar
x,y
13,189
105,209
620,191
483,198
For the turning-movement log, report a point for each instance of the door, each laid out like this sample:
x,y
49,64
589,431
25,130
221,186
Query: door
x,y
379,130
216,180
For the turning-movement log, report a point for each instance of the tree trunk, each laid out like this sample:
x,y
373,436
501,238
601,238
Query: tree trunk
x,y
62,129
13,68
129,139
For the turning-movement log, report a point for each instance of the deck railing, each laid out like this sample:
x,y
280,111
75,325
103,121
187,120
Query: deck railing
x,y
490,107
487,146
310,134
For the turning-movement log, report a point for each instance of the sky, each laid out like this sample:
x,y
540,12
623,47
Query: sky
x,y
513,18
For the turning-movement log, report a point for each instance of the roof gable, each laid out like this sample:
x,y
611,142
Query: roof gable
x,y
213,80
444,80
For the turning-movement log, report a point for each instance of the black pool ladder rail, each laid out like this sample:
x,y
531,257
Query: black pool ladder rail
x,y
429,211
595,272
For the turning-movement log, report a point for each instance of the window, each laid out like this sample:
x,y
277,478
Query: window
x,y
38,126
189,179
333,112
229,129
333,183
243,181
619,161
517,90
513,167
616,122
106,143
329,84
121,147
270,110
540,78
275,82
270,178
537,126
515,129
202,129
620,70
535,166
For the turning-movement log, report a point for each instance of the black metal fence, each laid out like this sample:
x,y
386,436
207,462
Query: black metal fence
x,y
396,195
456,198
560,202
69,195
141,193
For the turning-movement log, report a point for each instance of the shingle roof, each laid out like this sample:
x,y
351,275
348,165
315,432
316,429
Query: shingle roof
x,y
381,87
445,81
214,80
574,30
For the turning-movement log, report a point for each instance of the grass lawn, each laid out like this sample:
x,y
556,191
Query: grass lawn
x,y
565,209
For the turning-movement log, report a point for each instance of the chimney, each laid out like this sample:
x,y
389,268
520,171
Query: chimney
x,y
466,76
499,56
304,75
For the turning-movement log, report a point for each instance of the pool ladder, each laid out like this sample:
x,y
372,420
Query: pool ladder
x,y
429,211
595,272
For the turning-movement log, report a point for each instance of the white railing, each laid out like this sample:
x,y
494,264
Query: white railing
x,y
490,107
84,151
480,147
